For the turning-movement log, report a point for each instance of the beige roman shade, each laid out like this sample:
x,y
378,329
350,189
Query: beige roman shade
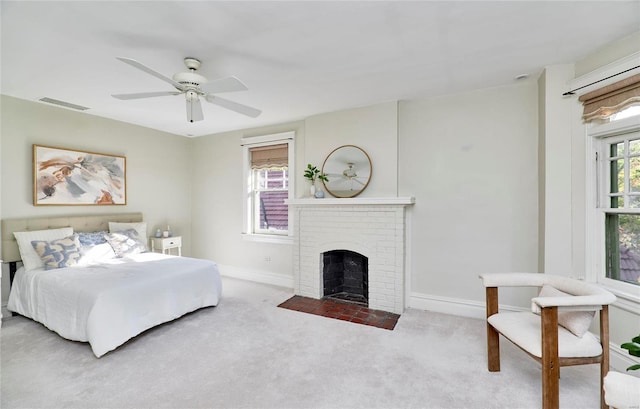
x,y
272,156
611,99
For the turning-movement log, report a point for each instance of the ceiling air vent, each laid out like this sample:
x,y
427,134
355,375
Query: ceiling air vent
x,y
63,104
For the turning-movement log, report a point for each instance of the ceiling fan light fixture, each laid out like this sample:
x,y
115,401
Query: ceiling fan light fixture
x,y
191,95
189,78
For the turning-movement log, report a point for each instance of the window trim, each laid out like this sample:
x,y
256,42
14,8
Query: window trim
x,y
597,207
247,214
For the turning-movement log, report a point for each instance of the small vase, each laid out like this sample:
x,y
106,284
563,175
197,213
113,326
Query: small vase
x,y
312,190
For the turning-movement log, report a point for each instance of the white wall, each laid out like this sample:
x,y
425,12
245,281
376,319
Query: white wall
x,y
217,211
470,160
158,164
608,54
373,128
555,131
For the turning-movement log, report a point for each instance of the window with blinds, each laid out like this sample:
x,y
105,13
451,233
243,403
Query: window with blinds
x,y
616,178
269,188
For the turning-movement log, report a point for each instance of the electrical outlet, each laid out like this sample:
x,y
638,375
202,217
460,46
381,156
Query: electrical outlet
x,y
267,258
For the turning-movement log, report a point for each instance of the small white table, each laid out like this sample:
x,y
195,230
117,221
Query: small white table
x,y
165,244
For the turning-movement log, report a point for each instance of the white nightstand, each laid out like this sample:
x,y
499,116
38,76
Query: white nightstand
x,y
165,244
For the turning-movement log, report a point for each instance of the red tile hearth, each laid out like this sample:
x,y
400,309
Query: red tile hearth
x,y
343,311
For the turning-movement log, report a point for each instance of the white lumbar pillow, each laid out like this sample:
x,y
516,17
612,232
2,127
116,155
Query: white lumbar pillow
x,y
578,322
30,259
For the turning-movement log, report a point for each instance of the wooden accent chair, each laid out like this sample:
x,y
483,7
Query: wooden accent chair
x,y
568,302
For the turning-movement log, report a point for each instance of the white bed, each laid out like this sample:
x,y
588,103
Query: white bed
x,y
108,303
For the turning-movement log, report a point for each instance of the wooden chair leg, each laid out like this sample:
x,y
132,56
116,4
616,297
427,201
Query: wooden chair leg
x,y
493,337
550,363
604,340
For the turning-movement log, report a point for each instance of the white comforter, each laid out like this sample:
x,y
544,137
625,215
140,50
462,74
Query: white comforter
x,y
106,304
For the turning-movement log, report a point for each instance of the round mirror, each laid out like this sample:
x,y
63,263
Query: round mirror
x,y
348,169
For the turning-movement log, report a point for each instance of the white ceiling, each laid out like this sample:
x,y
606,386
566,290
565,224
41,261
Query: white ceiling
x,y
297,58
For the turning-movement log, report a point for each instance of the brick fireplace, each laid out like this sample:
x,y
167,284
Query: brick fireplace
x,y
375,228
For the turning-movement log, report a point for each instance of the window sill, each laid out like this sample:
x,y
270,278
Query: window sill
x,y
267,238
627,300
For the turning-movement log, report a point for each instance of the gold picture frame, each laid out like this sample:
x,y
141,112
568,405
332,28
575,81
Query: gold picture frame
x,y
67,177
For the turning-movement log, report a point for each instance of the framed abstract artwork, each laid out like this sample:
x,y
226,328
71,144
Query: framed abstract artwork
x,y
71,177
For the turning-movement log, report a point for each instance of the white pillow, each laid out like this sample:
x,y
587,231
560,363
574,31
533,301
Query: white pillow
x,y
126,243
30,259
96,254
578,322
140,227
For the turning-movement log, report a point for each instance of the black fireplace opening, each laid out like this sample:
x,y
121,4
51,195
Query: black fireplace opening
x,y
345,276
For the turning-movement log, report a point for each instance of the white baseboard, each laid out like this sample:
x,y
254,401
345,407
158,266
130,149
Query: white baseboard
x,y
620,360
453,306
264,277
4,311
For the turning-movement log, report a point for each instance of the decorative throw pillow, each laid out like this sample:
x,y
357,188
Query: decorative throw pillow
x,y
140,227
92,238
58,253
30,258
125,243
578,322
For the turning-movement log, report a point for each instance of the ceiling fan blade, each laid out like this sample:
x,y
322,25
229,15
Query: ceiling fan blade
x,y
228,84
148,70
146,95
233,106
194,110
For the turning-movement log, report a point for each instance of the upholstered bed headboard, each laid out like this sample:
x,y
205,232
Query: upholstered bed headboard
x,y
86,223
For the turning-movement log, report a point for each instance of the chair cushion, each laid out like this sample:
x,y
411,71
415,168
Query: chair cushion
x,y
523,329
578,322
621,390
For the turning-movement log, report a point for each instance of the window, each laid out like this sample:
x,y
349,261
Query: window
x,y
270,184
614,230
626,113
622,209
268,161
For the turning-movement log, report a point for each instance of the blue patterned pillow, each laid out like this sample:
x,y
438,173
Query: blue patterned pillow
x,y
125,242
92,239
58,253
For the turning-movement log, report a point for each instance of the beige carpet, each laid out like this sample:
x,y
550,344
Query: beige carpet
x,y
247,353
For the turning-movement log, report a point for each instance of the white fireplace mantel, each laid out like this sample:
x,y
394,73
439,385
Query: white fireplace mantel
x,y
385,201
374,227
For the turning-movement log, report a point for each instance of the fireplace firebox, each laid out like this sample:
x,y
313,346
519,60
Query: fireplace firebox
x,y
345,276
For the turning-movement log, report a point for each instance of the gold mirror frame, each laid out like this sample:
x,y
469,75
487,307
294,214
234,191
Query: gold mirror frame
x,y
348,168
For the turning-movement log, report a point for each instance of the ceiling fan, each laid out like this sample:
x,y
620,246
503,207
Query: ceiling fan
x,y
348,176
193,86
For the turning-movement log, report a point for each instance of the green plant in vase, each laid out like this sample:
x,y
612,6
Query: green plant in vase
x,y
634,349
313,173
